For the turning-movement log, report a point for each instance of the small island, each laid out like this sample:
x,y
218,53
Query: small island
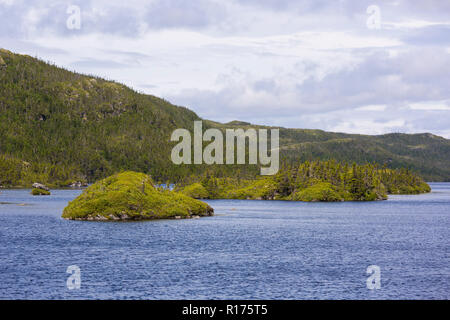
x,y
132,196
311,181
40,190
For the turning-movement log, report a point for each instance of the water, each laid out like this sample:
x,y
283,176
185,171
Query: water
x,y
249,250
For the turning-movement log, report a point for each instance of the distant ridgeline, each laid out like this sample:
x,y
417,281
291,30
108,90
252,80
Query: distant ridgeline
x,y
311,181
58,126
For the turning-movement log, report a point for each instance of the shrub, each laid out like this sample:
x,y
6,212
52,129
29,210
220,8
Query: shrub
x,y
40,192
323,191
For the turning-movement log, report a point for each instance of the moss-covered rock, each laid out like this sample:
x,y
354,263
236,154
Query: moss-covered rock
x,y
413,188
323,191
40,192
261,189
132,196
196,191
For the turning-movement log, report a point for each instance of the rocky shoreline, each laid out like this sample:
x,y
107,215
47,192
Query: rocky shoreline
x,y
125,217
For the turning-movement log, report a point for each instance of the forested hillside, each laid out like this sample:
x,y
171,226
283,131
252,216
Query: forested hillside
x,y
423,153
89,128
50,115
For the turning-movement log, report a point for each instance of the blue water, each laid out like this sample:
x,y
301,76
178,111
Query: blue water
x,y
248,250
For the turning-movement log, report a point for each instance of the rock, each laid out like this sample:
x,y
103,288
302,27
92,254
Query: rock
x,y
209,211
40,186
124,216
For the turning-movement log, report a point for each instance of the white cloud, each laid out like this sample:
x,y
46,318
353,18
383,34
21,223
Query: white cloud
x,y
431,105
414,24
7,2
367,126
372,107
297,63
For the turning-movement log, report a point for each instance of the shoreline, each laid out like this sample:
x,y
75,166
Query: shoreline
x,y
206,199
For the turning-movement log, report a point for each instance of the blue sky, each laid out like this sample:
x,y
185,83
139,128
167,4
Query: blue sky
x,y
301,64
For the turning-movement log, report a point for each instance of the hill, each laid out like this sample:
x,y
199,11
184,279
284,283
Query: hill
x,y
70,126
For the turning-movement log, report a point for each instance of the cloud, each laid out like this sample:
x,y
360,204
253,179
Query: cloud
x,y
431,105
432,35
378,79
97,63
380,83
26,18
295,63
393,119
163,14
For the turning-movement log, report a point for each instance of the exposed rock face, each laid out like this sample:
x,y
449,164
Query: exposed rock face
x,y
40,186
132,196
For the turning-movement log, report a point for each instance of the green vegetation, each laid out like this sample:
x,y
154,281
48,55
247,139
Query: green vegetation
x,y
70,127
312,181
132,196
51,116
322,191
423,153
18,173
196,191
39,192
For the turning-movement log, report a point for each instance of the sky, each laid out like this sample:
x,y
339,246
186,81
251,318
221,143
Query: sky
x,y
369,67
